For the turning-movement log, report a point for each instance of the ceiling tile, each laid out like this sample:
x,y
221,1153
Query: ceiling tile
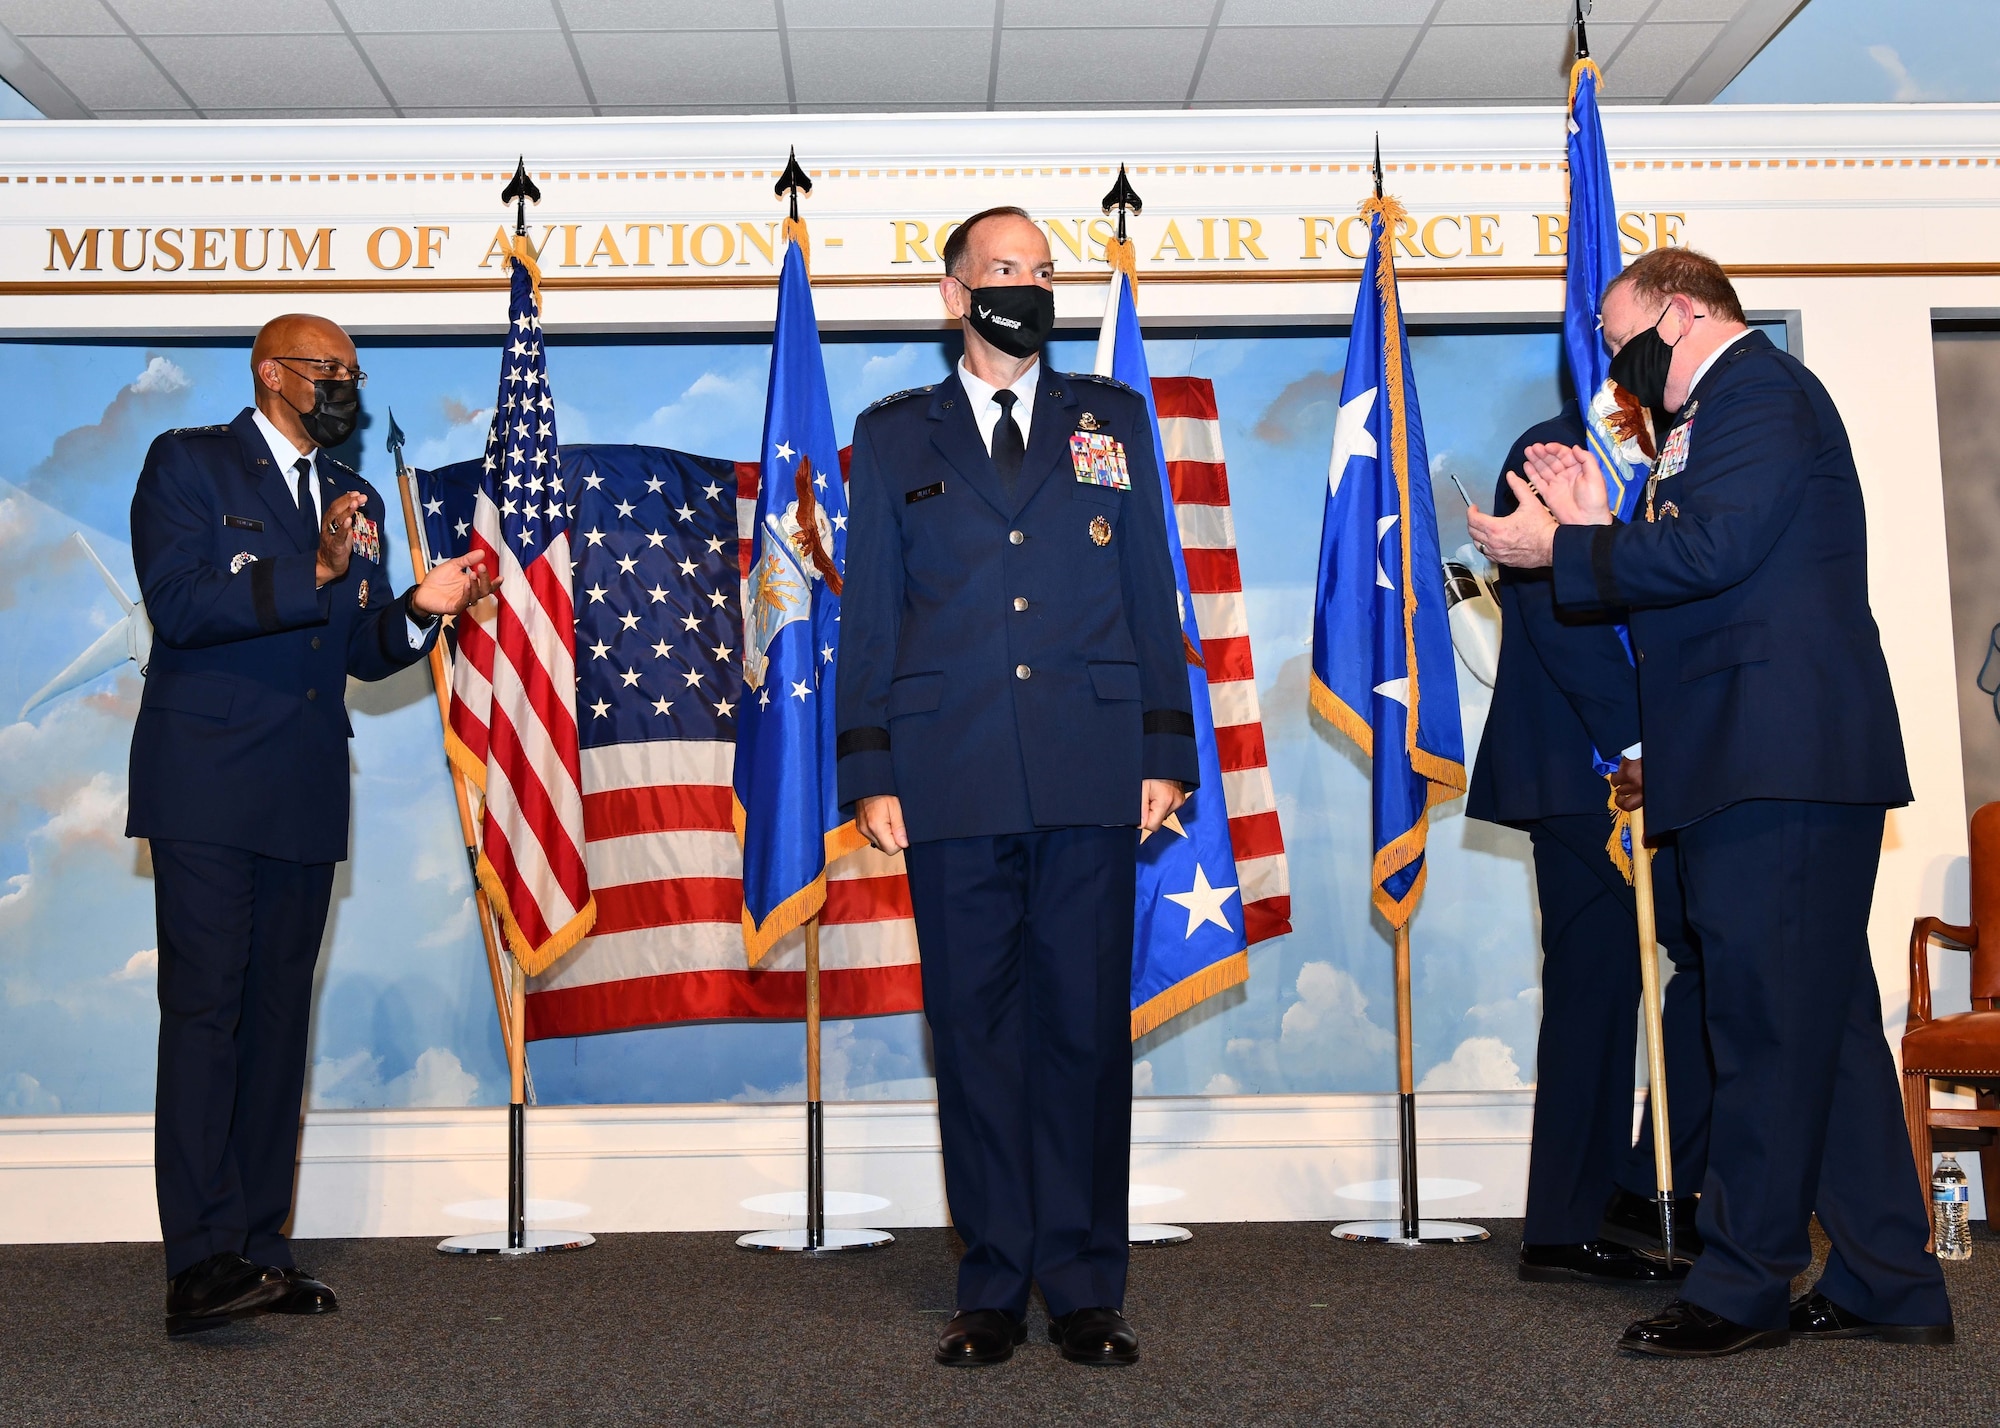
x,y
1719,11
1075,68
1319,12
649,110
898,14
492,70
671,14
145,114
688,67
467,18
382,111
1488,62
226,17
1065,14
490,111
1505,12
1658,57
1324,66
267,71
105,71
889,108
892,66
57,17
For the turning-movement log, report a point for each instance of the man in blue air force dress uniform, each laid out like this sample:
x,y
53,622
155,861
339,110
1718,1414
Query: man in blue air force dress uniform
x,y
1565,689
1772,747
1013,708
264,573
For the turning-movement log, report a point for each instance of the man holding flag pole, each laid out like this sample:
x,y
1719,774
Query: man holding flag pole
x,y
1564,718
788,815
1382,668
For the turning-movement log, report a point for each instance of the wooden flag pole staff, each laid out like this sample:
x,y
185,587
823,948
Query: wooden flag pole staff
x,y
1410,1228
1656,1051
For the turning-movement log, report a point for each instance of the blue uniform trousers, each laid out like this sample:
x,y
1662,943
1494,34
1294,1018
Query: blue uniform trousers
x,y
1585,1057
1026,941
1808,1114
239,936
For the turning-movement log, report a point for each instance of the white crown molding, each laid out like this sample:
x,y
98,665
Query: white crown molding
x,y
1028,140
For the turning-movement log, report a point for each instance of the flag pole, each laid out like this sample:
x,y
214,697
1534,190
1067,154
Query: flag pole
x,y
510,989
1656,1051
815,1238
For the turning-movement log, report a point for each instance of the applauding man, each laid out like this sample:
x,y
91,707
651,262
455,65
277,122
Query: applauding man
x,y
1772,745
264,572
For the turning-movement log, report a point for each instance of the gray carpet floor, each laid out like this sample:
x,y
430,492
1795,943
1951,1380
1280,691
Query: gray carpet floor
x,y
1247,1324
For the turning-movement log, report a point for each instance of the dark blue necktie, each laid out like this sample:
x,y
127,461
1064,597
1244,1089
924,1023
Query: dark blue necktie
x,y
1007,445
308,514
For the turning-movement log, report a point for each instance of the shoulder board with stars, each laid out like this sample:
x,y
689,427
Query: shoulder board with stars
x,y
219,430
898,396
344,469
1099,377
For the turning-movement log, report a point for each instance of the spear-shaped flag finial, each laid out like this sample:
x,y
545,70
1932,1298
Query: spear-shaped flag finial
x,y
1582,40
793,182
1125,199
520,192
1378,164
395,439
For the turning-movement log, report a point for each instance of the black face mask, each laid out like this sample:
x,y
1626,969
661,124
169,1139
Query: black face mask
x,y
1017,320
1641,368
335,412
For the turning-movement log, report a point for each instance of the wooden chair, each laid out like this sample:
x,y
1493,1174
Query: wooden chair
x,y
1963,1048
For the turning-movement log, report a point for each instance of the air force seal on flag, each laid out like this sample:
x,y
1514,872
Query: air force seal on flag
x,y
795,555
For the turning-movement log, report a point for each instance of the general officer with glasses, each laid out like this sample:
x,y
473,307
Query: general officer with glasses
x,y
264,569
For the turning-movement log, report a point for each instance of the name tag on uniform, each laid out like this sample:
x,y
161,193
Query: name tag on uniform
x,y
1099,459
242,523
923,493
367,539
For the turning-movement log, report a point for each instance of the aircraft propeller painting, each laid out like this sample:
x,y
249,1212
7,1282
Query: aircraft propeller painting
x,y
131,638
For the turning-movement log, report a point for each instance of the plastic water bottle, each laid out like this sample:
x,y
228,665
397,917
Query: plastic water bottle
x,y
1951,1210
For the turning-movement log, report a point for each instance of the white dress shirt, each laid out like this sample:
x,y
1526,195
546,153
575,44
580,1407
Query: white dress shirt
x,y
287,457
986,411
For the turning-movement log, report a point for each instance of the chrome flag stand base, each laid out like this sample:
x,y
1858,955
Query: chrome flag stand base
x,y
814,1236
532,1242
1157,1234
1394,1232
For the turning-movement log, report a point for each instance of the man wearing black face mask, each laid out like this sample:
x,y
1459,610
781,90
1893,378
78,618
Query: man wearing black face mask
x,y
1013,712
262,564
1772,746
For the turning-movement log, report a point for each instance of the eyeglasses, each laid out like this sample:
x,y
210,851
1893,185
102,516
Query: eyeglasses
x,y
325,369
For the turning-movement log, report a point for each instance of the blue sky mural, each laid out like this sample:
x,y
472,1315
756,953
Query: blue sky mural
x,y
404,1016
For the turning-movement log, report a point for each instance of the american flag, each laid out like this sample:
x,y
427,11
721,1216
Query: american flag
x,y
661,846
514,694
1191,439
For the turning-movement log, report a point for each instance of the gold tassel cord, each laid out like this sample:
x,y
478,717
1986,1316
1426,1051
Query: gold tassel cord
x,y
795,232
1621,830
1123,255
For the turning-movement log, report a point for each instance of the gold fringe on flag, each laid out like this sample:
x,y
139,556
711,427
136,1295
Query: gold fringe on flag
x,y
1215,977
802,906
1123,256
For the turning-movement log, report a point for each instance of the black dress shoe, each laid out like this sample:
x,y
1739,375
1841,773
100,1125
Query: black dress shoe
x,y
221,1288
1634,1220
304,1295
1094,1336
1814,1316
1600,1262
980,1336
1688,1331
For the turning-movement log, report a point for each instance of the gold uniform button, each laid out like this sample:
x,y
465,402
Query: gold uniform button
x,y
1015,537
1020,602
315,641
1021,671
312,694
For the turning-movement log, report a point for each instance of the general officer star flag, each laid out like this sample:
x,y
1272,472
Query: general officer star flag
x,y
787,810
1382,657
1189,937
1610,424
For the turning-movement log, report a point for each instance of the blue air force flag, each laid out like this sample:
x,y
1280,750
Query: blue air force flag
x,y
1188,931
787,813
1382,659
1594,260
